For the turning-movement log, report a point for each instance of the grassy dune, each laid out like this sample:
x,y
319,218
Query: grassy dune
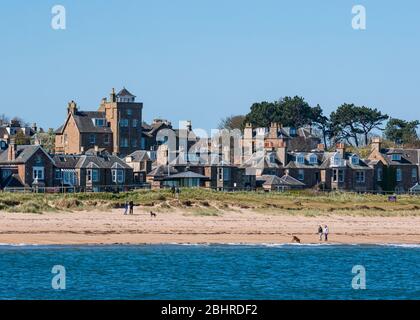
x,y
202,202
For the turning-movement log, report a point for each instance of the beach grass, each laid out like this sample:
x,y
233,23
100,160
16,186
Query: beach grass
x,y
209,202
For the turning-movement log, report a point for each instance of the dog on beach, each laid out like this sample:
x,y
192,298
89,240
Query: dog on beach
x,y
295,239
152,214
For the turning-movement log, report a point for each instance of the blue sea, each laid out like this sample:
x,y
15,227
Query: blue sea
x,y
210,272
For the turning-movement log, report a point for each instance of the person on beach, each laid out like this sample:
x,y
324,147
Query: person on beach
x,y
126,207
173,190
326,231
320,232
131,204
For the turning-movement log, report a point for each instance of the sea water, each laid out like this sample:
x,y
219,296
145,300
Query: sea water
x,y
232,271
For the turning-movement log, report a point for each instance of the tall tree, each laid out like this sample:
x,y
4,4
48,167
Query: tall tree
x,y
322,123
401,131
291,112
348,122
232,122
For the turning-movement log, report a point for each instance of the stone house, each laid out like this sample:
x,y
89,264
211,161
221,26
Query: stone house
x,y
92,171
116,126
23,166
397,169
141,164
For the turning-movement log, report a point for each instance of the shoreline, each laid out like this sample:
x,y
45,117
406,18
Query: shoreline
x,y
186,227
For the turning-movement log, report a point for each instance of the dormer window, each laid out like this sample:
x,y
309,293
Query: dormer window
x,y
293,131
396,157
99,122
313,159
336,160
300,159
354,160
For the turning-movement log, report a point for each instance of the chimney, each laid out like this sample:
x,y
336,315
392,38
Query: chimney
x,y
273,130
282,152
341,148
189,125
376,144
72,107
321,147
113,96
11,152
34,127
82,150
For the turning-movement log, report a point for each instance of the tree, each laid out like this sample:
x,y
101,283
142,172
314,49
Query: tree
x,y
290,112
322,123
46,139
232,122
349,122
21,138
401,131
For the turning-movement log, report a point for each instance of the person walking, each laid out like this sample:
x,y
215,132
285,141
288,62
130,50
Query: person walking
x,y
326,232
126,207
131,204
320,232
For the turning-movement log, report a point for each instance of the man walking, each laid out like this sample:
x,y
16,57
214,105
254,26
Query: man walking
x,y
320,232
131,207
326,231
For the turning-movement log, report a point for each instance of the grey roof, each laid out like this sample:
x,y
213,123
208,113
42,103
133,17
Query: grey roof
x,y
84,122
139,155
408,156
102,161
286,180
162,170
13,181
186,175
23,153
125,92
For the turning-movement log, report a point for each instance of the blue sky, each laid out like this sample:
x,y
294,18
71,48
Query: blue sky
x,y
202,60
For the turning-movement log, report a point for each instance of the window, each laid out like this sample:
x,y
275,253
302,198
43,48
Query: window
x,y
58,174
92,139
379,174
340,175
414,174
396,157
129,111
336,160
292,131
313,159
300,159
92,175
117,175
38,173
398,175
106,139
135,122
301,175
143,143
124,142
226,174
134,142
360,176
99,122
272,157
124,123
355,160
6,173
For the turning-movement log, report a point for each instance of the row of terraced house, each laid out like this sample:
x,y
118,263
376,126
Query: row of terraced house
x,y
112,148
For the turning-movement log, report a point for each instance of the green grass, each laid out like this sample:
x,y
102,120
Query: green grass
x,y
207,202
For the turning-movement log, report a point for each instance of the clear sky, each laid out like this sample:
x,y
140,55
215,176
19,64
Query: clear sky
x,y
205,59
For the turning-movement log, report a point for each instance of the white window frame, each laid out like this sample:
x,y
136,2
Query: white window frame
x,y
117,175
313,159
300,158
36,170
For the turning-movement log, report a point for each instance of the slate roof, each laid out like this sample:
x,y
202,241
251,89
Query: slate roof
x,y
85,124
23,154
103,161
139,155
13,181
408,156
125,92
186,175
162,170
286,180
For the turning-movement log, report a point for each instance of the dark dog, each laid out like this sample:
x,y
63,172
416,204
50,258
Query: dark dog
x,y
295,239
153,215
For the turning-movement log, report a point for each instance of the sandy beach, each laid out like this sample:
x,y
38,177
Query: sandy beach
x,y
177,226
